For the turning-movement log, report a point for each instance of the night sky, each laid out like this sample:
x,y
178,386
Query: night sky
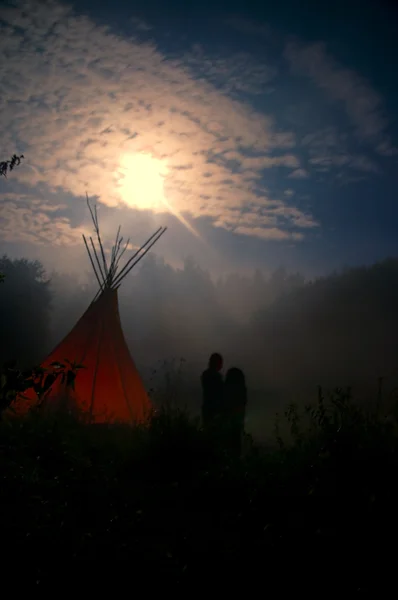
x,y
260,137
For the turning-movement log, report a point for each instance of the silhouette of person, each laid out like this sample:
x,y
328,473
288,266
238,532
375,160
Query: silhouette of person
x,y
235,401
212,391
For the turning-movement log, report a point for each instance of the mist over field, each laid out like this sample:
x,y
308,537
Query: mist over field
x,y
287,333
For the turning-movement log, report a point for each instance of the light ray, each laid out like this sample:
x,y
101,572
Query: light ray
x,y
141,185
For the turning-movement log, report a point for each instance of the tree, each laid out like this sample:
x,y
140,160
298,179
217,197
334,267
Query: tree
x,y
25,304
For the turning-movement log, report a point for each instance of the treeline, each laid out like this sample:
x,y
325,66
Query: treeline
x,y
340,329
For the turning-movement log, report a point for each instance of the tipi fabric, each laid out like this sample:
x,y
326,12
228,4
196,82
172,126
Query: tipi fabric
x,y
108,387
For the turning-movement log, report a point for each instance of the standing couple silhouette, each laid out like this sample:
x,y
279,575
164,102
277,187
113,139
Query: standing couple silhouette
x,y
224,403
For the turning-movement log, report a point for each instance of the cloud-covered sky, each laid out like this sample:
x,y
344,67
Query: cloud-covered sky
x,y
257,139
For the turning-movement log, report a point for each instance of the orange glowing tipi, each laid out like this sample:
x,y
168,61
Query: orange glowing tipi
x,y
108,386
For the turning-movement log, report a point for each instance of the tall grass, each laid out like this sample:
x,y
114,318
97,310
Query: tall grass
x,y
170,496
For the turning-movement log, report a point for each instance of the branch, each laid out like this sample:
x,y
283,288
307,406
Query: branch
x,y
9,165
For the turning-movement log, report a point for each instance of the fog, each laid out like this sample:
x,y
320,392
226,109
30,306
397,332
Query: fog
x,y
287,333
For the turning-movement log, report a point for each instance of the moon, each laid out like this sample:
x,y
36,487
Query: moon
x,y
141,182
141,185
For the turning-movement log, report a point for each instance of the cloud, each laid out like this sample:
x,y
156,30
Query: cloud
x,y
364,121
140,25
363,163
277,221
299,174
386,149
273,233
76,99
359,163
241,72
27,220
328,149
362,104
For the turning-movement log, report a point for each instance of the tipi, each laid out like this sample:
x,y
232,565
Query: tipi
x,y
108,386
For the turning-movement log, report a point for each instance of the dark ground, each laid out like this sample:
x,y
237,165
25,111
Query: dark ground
x,y
166,507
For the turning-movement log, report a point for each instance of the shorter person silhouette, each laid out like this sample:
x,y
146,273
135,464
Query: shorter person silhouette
x,y
212,391
235,401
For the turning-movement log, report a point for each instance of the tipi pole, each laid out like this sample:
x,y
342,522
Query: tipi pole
x,y
121,254
94,217
111,279
114,253
100,241
122,272
121,276
92,262
103,275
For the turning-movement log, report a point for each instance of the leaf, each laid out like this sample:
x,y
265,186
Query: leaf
x,y
57,365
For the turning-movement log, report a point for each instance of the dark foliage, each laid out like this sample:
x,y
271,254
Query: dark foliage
x,y
9,165
6,166
168,500
14,381
25,302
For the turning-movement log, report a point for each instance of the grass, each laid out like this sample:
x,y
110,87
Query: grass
x,y
169,499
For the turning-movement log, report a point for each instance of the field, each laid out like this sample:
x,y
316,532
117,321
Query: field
x,y
168,499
